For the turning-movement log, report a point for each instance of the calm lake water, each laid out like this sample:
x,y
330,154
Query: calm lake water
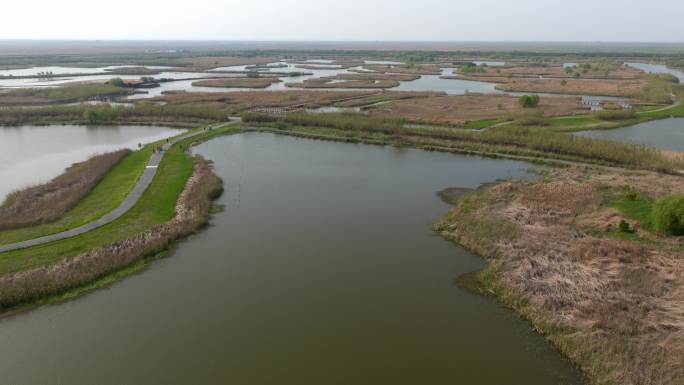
x,y
450,86
34,154
667,134
658,69
323,269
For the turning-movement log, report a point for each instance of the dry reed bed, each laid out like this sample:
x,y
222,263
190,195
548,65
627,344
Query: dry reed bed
x,y
558,71
334,83
209,62
50,201
260,82
614,306
458,109
69,93
356,80
192,213
624,88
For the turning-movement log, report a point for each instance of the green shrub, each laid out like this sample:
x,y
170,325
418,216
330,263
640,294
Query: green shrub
x,y
615,115
529,101
116,82
668,215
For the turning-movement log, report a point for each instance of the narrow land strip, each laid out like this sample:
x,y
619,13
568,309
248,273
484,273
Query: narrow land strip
x,y
130,200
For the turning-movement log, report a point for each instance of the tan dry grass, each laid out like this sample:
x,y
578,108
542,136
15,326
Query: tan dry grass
x,y
48,202
240,101
356,80
459,109
612,305
261,82
624,88
557,71
207,62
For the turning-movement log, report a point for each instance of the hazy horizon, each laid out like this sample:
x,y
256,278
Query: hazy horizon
x,y
350,21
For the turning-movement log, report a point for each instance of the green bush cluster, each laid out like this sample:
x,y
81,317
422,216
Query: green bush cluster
x,y
116,82
668,215
529,101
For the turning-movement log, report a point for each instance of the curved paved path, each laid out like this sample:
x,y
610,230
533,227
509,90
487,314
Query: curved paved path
x,y
128,202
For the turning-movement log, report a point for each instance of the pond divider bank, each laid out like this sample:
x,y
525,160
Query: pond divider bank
x,y
130,200
82,272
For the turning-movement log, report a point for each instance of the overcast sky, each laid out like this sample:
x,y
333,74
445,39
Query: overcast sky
x,y
444,20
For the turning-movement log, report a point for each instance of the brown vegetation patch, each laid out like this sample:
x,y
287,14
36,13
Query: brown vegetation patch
x,y
356,80
74,92
378,76
613,305
240,101
143,71
597,71
458,109
404,69
206,63
625,88
260,82
385,97
334,83
314,66
48,202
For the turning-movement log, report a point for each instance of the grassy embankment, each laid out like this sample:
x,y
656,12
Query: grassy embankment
x,y
56,95
48,202
103,198
144,112
660,89
510,140
58,270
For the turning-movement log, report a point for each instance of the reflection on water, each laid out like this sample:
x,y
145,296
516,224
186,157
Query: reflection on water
x,y
322,269
34,154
